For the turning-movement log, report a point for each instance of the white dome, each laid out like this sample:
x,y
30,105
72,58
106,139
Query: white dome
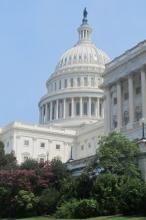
x,y
83,53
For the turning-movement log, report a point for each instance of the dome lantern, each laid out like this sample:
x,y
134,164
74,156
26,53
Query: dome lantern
x,y
84,30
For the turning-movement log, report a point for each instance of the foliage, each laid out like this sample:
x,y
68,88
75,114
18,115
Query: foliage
x,y
24,204
133,193
59,171
5,198
48,201
78,209
106,190
30,164
7,161
117,155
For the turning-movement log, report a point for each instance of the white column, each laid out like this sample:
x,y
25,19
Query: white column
x,y
64,108
81,106
131,100
72,107
89,107
57,109
119,105
107,109
40,114
51,111
98,106
143,93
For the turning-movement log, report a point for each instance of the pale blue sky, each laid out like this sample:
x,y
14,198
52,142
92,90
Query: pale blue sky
x,y
34,34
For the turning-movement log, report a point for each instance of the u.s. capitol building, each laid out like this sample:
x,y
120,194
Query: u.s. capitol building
x,y
85,88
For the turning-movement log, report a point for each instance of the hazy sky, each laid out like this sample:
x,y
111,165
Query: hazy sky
x,y
34,34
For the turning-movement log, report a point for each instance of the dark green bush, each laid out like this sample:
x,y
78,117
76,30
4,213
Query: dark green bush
x,y
48,201
132,197
106,190
78,209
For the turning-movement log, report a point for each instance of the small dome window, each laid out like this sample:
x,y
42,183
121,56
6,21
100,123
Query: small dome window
x,y
80,57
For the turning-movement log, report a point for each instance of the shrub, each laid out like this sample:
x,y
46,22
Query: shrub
x,y
24,204
78,209
48,201
106,190
132,196
5,198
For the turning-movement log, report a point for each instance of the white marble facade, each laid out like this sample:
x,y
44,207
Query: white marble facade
x,y
125,91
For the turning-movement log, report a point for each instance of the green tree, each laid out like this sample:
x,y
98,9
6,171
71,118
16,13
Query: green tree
x,y
118,155
7,161
30,164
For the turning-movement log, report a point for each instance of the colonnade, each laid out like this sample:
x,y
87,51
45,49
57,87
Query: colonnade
x,y
131,97
71,107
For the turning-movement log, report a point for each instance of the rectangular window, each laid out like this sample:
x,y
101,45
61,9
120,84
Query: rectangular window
x,y
85,108
115,101
77,108
57,147
60,84
42,160
138,90
42,145
82,147
69,109
78,82
85,81
71,82
125,96
65,83
55,86
26,142
92,82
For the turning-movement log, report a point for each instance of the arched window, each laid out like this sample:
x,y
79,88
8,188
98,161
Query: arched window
x,y
77,108
93,108
85,108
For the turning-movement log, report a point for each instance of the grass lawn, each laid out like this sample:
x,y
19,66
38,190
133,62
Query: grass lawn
x,y
97,218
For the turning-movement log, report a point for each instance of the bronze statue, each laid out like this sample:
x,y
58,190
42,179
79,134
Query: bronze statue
x,y
85,13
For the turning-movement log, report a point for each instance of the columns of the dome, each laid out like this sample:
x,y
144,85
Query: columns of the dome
x,y
57,109
51,111
97,108
81,106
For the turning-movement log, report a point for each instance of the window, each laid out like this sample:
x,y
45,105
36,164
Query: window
x,y
82,147
85,81
26,142
55,86
77,108
78,82
138,90
71,82
42,145
69,109
57,147
115,101
7,144
60,84
125,96
65,83
92,108
100,109
42,160
25,158
92,82
85,108
89,145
